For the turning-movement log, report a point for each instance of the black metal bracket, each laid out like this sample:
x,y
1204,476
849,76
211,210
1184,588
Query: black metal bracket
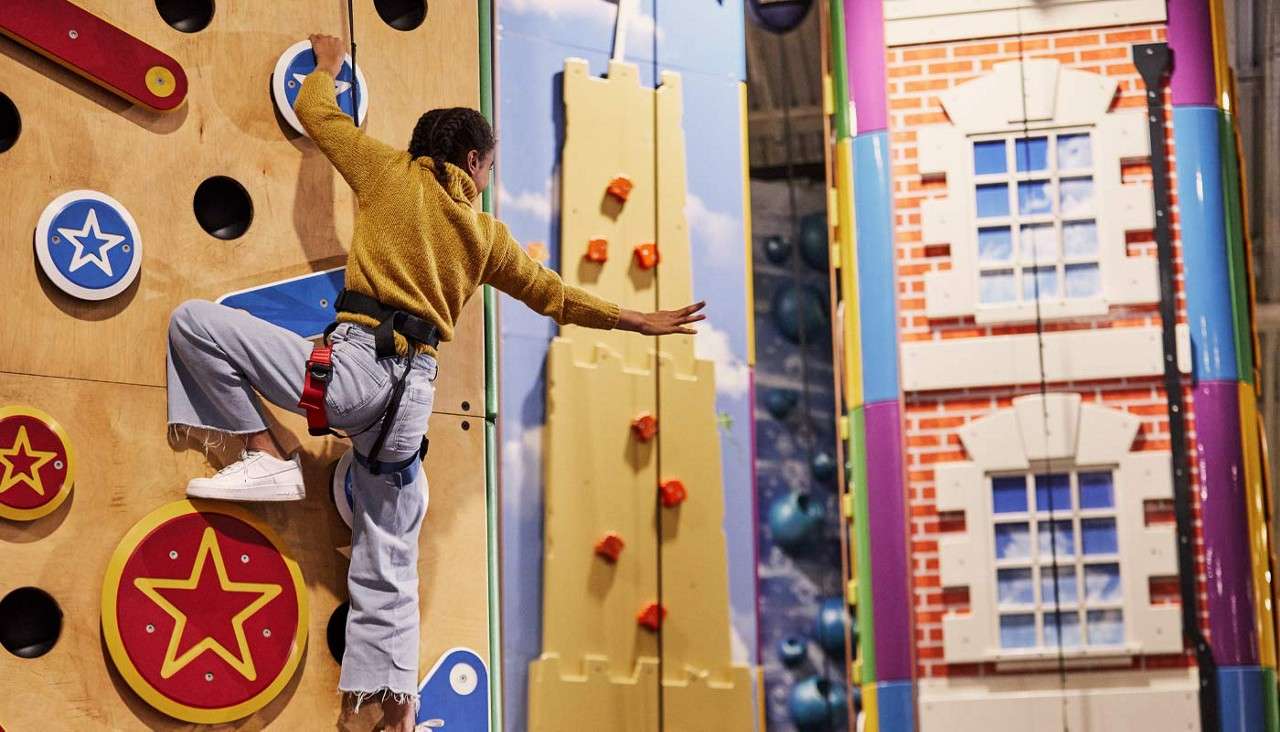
x,y
1153,62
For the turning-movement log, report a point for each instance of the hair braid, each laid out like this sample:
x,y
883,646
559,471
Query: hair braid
x,y
449,135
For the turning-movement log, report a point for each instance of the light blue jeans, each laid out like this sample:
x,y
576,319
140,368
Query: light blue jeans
x,y
219,357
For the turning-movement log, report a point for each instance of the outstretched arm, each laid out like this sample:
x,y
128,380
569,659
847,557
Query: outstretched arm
x,y
514,272
357,157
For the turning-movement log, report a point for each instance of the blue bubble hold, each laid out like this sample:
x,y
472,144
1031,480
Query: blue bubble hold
x,y
792,650
780,402
823,466
817,704
815,247
800,313
833,618
794,519
776,249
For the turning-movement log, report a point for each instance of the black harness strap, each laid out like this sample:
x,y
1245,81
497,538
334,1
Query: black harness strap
x,y
416,331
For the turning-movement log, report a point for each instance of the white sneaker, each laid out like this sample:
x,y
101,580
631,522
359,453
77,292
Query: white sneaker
x,y
256,476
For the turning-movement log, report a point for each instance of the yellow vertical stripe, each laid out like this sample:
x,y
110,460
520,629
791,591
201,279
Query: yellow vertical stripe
x,y
851,353
870,709
746,226
1259,537
1221,65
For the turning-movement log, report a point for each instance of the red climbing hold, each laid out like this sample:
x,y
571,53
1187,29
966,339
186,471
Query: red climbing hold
x,y
597,250
610,546
673,492
645,426
620,187
651,616
647,255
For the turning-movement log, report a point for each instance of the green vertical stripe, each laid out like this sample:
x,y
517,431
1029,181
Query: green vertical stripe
x,y
485,16
1271,706
839,71
1237,272
857,474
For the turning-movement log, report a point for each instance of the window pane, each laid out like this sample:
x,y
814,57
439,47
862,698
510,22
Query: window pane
x,y
1032,154
1080,239
1018,631
1053,492
1033,198
1060,542
1106,628
1083,280
1009,494
1067,589
1096,490
1074,152
996,287
1013,587
1102,583
1044,284
1070,629
993,200
995,244
1075,196
1038,243
1099,536
989,157
1013,541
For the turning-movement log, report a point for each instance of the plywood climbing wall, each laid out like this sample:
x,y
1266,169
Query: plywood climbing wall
x,y
97,368
598,665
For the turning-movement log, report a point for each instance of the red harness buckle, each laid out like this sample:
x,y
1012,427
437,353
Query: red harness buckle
x,y
319,373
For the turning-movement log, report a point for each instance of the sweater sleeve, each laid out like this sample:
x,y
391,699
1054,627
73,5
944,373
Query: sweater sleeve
x,y
357,157
513,271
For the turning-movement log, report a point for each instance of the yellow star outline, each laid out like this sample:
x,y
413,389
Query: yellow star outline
x,y
22,446
173,663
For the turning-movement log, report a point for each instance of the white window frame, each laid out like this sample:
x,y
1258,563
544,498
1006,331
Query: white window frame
x,y
1042,608
1027,99
1079,437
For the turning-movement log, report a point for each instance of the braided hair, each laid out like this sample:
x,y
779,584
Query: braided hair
x,y
447,135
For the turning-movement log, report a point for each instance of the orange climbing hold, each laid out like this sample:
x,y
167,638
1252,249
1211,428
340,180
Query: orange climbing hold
x,y
645,426
597,250
673,492
647,255
620,187
610,546
651,616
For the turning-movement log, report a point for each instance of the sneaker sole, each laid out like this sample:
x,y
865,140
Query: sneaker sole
x,y
243,495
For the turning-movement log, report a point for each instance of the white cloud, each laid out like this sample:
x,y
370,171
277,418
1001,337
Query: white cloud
x,y
732,374
531,203
639,31
716,231
521,455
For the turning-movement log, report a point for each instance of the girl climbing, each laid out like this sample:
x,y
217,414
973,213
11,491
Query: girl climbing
x,y
419,251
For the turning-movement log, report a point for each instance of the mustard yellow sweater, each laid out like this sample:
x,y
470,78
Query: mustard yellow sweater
x,y
420,246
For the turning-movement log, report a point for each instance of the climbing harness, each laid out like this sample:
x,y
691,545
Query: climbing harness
x,y
319,373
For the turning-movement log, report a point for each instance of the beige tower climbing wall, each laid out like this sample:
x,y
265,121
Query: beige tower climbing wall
x,y
599,667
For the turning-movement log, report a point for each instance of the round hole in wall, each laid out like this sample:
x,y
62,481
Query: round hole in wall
x,y
402,15
10,123
336,633
30,622
223,207
466,426
188,16
466,406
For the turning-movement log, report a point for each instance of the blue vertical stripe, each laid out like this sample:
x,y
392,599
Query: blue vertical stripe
x,y
877,298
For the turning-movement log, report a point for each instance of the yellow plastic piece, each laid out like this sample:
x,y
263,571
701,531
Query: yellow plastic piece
x,y
870,708
846,240
746,224
1259,533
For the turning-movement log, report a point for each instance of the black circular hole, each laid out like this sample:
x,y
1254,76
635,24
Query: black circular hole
x,y
336,633
188,16
466,406
223,207
10,123
402,15
30,622
466,426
